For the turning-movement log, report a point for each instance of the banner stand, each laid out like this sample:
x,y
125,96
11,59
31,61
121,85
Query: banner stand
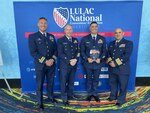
x,y
6,82
1,64
134,93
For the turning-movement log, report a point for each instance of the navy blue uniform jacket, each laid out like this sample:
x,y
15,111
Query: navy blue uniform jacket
x,y
120,54
67,50
87,44
42,48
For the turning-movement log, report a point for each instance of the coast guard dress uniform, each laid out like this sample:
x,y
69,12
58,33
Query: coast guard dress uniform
x,y
43,47
88,45
120,53
68,49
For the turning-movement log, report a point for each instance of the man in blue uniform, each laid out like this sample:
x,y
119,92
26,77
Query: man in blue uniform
x,y
119,53
43,49
93,51
68,54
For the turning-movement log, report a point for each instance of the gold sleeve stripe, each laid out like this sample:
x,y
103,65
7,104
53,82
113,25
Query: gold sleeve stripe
x,y
42,59
118,61
78,55
109,59
54,57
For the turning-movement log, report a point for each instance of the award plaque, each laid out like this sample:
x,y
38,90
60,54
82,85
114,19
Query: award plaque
x,y
94,54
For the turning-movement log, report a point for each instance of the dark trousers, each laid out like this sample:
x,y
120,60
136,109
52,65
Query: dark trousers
x,y
118,81
67,82
92,79
40,77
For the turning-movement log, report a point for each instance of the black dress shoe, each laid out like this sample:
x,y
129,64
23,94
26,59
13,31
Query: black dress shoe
x,y
71,97
96,98
66,103
109,99
40,107
89,98
53,100
119,104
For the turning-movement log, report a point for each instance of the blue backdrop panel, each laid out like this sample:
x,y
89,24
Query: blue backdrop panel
x,y
109,16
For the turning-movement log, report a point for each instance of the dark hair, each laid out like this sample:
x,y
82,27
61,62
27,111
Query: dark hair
x,y
42,18
94,22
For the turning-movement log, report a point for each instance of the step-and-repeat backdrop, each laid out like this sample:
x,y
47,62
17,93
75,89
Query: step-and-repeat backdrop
x,y
109,15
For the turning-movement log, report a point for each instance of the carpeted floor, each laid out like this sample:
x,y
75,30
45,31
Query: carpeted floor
x,y
138,102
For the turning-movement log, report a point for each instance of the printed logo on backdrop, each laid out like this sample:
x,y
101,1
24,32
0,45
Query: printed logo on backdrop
x,y
61,16
76,16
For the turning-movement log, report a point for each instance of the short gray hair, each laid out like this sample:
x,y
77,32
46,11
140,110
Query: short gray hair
x,y
120,29
67,26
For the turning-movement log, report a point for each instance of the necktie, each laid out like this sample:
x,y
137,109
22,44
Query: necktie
x,y
94,42
116,43
70,39
44,34
94,38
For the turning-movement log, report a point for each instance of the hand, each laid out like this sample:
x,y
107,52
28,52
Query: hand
x,y
73,62
98,60
90,60
112,64
49,62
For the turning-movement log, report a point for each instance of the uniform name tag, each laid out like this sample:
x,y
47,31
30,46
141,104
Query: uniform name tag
x,y
39,39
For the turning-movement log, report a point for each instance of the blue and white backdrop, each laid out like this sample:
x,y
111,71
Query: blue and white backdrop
x,y
9,47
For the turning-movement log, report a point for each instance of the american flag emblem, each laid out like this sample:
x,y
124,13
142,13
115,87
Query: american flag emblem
x,y
61,16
